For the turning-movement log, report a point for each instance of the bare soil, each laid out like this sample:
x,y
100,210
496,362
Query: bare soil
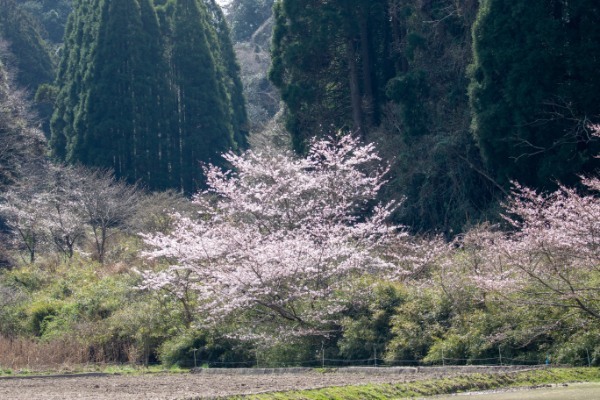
x,y
188,386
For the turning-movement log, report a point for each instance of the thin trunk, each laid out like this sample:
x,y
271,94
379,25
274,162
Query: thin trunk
x,y
401,63
356,101
367,69
102,245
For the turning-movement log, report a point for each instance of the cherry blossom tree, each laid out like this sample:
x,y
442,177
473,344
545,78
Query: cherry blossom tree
x,y
551,257
278,239
62,204
23,213
107,205
58,193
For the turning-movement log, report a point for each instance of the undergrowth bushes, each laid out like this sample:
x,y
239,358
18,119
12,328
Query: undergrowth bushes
x,y
77,312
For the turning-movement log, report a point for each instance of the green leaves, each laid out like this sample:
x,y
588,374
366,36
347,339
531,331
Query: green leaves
x,y
149,101
534,91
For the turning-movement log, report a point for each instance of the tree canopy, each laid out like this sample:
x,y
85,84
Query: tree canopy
x,y
535,89
464,97
148,91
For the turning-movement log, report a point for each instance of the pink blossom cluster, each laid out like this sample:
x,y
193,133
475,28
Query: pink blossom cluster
x,y
551,253
278,239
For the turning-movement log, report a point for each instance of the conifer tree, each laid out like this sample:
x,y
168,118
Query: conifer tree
x,y
149,100
331,62
111,86
436,164
532,93
73,80
201,97
535,88
229,72
307,68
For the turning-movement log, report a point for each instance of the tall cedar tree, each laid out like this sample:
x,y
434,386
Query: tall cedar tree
x,y
532,93
436,164
146,100
230,72
395,71
536,88
76,63
195,76
331,62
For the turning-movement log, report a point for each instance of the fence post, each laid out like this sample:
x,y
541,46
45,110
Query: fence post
x,y
500,355
322,354
588,357
375,355
443,362
194,351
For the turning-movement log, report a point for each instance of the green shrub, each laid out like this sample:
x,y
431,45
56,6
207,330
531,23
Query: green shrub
x,y
582,348
368,329
179,350
40,314
211,349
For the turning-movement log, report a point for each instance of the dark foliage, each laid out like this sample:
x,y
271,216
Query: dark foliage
x,y
149,91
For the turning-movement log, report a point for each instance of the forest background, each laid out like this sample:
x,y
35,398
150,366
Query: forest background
x,y
468,233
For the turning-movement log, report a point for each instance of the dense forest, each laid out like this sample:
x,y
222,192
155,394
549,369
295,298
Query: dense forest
x,y
466,96
285,182
114,107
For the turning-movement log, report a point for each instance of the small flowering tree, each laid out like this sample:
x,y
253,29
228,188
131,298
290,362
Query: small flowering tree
x,y
24,214
552,255
107,205
278,239
61,204
60,196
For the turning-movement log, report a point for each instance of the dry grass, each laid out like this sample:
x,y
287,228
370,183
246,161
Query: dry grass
x,y
18,353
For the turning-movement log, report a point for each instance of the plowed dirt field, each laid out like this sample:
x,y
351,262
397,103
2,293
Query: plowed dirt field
x,y
191,386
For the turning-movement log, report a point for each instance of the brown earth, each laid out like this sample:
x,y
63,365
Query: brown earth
x,y
195,386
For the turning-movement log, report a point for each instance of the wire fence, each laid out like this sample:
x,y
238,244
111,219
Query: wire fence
x,y
324,362
195,359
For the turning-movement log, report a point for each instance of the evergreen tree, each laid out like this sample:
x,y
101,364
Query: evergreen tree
x,y
330,62
382,68
74,80
229,72
303,50
436,163
149,100
536,87
203,133
109,112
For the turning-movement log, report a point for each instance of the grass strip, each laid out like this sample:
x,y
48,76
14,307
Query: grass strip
x,y
432,387
92,369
